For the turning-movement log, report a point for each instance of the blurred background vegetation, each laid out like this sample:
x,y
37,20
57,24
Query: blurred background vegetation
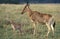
x,y
13,11
31,1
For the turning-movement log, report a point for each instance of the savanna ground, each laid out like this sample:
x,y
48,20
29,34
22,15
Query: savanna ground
x,y
13,12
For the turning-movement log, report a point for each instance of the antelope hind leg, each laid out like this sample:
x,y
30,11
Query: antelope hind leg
x,y
49,29
52,29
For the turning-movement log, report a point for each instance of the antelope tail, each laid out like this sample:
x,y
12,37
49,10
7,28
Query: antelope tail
x,y
54,25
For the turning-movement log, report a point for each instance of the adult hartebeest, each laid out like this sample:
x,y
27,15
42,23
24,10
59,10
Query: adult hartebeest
x,y
37,17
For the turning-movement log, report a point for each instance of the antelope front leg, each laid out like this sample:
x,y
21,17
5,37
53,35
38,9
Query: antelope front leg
x,y
34,27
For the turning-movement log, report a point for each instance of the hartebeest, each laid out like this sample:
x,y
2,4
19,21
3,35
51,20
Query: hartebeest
x,y
37,17
15,26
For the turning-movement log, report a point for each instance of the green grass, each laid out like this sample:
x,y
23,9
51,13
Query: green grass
x,y
13,12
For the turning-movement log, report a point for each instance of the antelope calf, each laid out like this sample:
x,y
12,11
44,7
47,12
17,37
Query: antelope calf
x,y
37,17
16,26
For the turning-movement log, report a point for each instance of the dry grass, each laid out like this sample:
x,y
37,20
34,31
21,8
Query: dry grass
x,y
13,12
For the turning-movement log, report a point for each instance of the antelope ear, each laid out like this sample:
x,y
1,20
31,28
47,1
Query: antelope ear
x,y
27,3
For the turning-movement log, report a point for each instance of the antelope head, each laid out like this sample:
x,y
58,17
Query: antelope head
x,y
25,8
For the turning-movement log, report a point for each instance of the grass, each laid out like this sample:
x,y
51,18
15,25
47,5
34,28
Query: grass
x,y
13,11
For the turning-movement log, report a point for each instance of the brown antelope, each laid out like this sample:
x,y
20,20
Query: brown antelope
x,y
15,26
37,17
